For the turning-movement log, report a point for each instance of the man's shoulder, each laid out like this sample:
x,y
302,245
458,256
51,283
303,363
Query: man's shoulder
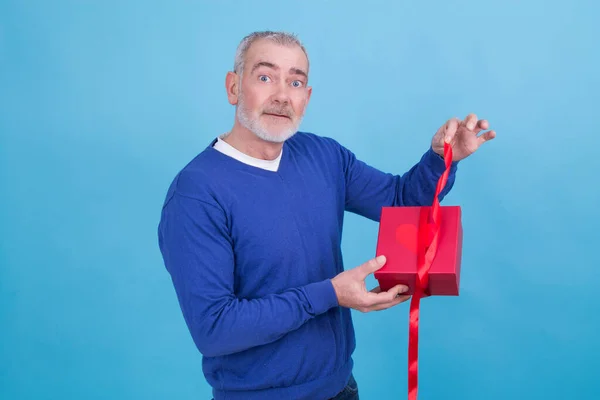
x,y
304,141
196,178
313,139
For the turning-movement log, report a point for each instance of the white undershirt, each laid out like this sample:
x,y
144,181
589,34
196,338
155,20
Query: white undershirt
x,y
227,149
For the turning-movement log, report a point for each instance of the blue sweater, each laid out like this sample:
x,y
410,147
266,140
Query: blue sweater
x,y
251,254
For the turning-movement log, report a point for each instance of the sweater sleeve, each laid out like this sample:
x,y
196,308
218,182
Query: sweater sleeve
x,y
368,189
198,253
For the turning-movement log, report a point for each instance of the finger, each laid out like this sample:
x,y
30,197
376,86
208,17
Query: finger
x,y
471,121
489,135
482,125
451,127
395,302
374,299
371,266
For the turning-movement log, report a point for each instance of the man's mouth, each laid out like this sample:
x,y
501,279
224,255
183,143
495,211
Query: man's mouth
x,y
278,115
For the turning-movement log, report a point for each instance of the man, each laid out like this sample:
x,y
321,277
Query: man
x,y
251,228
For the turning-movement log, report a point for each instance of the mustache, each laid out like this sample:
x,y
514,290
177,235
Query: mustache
x,y
279,111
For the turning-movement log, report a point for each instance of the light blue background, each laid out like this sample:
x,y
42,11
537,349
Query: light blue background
x,y
102,102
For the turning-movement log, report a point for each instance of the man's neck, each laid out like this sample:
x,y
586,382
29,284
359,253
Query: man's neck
x,y
248,143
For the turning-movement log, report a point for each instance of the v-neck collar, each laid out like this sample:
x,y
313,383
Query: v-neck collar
x,y
252,168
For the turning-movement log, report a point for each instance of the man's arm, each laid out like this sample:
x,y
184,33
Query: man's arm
x,y
368,189
197,252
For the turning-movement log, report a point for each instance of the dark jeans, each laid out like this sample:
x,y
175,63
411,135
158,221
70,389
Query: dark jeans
x,y
350,392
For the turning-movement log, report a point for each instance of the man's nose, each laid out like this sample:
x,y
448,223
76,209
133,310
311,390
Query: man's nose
x,y
282,95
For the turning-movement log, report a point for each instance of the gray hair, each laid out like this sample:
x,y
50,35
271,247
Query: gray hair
x,y
281,38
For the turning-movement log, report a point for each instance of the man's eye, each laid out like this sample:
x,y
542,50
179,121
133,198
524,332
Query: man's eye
x,y
264,78
297,83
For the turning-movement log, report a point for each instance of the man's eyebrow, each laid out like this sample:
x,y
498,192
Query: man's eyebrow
x,y
264,64
294,71
298,71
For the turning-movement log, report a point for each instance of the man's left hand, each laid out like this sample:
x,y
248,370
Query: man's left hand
x,y
463,136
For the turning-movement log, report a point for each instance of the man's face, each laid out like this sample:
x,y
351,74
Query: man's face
x,y
274,91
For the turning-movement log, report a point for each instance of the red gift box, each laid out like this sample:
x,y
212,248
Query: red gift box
x,y
402,230
423,250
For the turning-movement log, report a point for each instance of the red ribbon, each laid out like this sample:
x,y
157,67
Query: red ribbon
x,y
427,248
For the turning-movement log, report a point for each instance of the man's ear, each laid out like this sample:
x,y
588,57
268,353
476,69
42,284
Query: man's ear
x,y
308,94
232,81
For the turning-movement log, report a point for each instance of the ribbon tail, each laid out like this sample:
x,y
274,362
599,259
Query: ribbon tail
x,y
426,253
413,346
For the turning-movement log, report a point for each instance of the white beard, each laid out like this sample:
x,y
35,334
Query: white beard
x,y
253,124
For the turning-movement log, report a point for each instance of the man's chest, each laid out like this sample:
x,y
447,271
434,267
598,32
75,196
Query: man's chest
x,y
285,232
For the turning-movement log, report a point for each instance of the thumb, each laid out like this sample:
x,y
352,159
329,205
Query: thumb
x,y
372,265
451,129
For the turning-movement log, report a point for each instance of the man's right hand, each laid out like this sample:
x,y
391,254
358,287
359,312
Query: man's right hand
x,y
352,292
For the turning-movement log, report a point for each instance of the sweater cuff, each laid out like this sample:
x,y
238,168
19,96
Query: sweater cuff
x,y
321,296
436,162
